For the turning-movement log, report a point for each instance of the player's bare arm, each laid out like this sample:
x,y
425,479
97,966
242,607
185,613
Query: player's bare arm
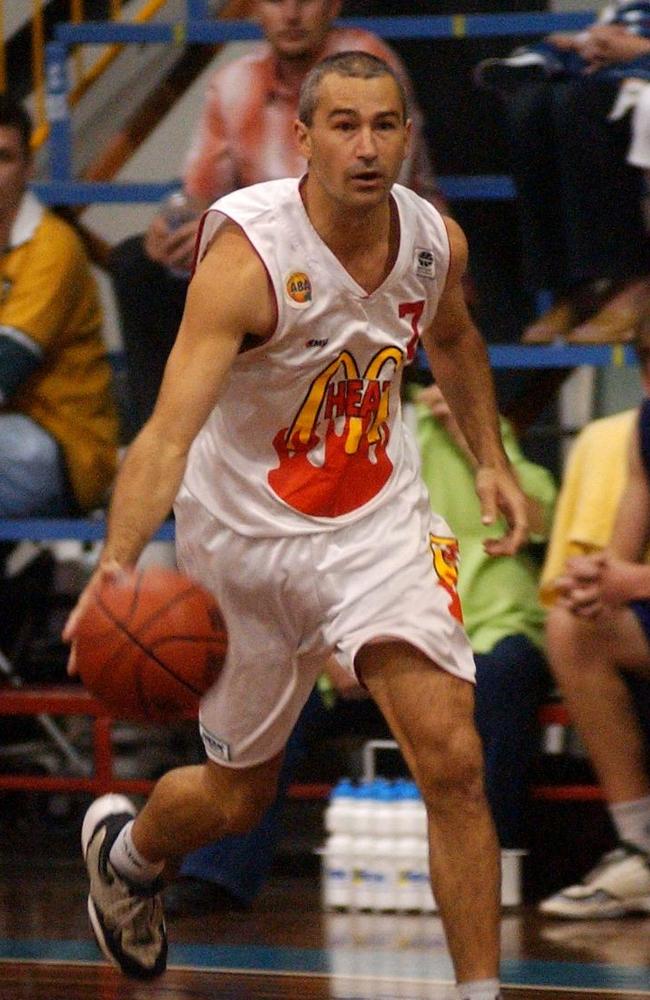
x,y
228,298
631,532
460,364
225,301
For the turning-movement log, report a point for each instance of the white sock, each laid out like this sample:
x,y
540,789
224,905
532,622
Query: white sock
x,y
480,989
632,822
127,860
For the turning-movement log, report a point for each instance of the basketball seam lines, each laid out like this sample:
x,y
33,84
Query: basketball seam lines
x,y
159,611
170,673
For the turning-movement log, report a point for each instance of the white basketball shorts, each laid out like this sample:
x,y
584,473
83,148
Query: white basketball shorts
x,y
289,603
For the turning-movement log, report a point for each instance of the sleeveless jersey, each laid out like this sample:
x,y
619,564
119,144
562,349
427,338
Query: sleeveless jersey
x,y
307,434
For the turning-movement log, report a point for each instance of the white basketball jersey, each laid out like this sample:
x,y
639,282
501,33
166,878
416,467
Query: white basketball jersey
x,y
307,434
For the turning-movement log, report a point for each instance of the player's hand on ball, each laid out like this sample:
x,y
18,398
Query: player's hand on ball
x,y
105,572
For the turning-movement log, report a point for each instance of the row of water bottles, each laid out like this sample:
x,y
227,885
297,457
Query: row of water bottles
x,y
375,856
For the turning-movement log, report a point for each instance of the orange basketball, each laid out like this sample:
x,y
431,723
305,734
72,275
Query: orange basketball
x,y
150,644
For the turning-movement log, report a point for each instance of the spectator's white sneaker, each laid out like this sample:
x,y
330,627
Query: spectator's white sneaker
x,y
506,75
126,917
619,884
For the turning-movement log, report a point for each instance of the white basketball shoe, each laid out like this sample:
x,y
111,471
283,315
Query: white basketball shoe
x,y
618,885
126,917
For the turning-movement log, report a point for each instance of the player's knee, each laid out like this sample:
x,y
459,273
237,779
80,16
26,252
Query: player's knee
x,y
455,772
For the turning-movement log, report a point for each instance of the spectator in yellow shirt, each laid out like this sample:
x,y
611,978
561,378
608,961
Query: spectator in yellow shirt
x,y
58,422
597,637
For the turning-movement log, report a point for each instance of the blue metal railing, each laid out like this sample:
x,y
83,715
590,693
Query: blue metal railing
x,y
199,28
521,356
209,31
561,355
51,529
64,192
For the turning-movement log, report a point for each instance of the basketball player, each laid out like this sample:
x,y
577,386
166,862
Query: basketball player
x,y
299,504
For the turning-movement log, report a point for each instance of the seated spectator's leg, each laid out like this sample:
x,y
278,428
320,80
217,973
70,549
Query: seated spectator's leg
x,y
150,303
586,657
33,482
600,193
510,683
241,864
33,476
640,691
533,163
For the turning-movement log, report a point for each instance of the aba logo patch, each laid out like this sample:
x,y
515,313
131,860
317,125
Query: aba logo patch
x,y
297,289
215,746
424,262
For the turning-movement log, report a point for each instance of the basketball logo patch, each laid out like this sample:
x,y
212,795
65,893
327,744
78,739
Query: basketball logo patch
x,y
424,262
297,289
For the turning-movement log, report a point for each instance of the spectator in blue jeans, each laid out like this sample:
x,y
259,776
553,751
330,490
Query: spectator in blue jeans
x,y
58,422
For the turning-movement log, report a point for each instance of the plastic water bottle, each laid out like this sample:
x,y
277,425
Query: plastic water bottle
x,y
385,874
408,895
363,813
340,809
410,811
422,877
337,872
362,873
385,809
400,793
375,858
178,209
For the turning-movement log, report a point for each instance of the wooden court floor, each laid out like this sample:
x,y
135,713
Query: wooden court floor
x,y
286,947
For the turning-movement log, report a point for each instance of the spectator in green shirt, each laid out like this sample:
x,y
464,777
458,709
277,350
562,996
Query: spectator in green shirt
x,y
503,617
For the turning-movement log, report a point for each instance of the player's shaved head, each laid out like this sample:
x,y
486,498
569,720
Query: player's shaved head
x,y
360,65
